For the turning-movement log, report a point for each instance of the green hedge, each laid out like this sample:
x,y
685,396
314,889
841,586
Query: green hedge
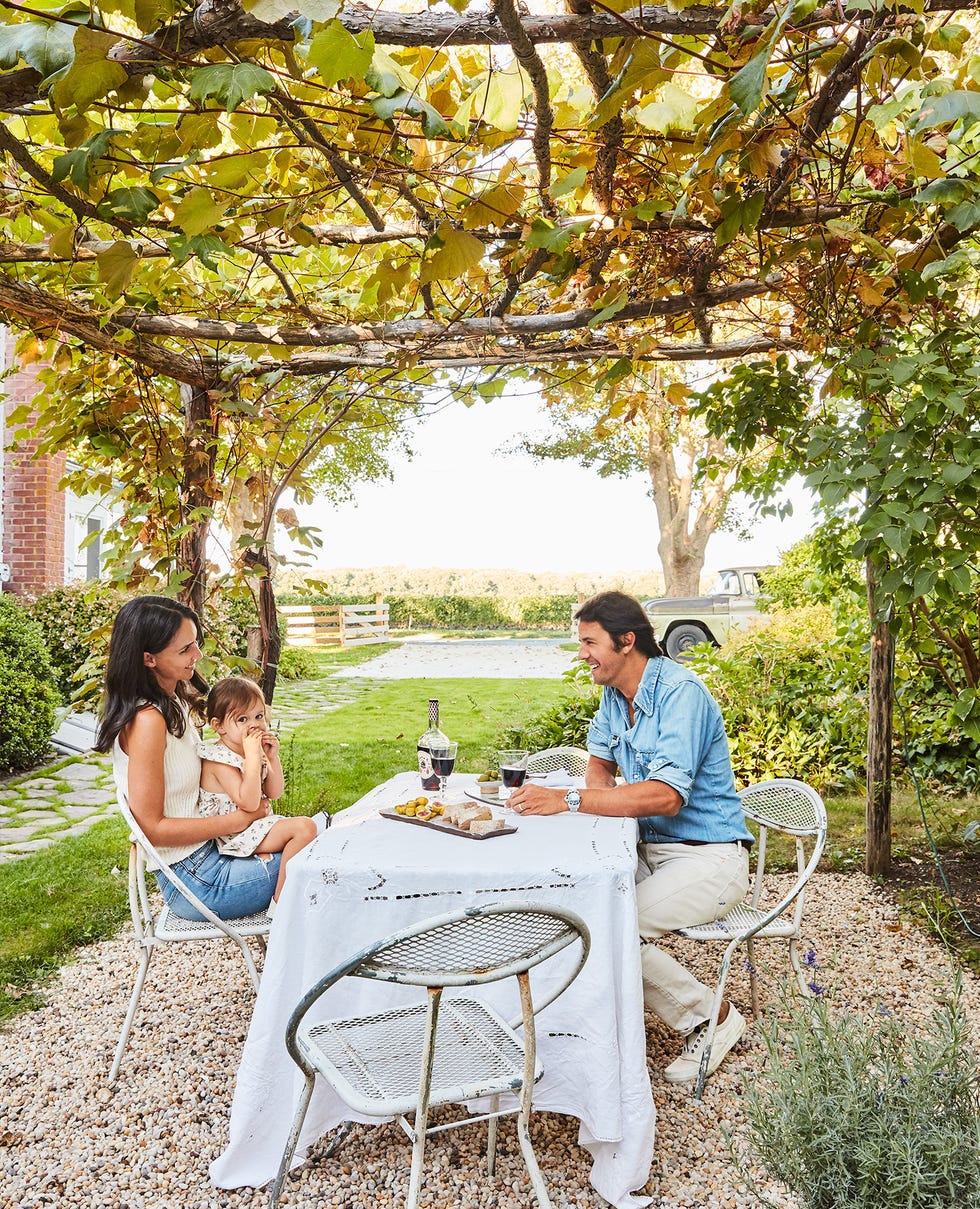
x,y
461,612
27,690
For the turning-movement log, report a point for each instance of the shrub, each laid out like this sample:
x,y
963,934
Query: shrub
x,y
565,723
295,663
857,1114
793,697
27,690
75,622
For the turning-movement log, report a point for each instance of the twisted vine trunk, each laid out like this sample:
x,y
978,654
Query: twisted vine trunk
x,y
198,475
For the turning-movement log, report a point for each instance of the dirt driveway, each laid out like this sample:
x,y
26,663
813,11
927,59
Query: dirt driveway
x,y
468,658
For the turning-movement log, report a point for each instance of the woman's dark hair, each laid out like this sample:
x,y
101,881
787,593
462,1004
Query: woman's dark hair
x,y
143,626
619,614
232,695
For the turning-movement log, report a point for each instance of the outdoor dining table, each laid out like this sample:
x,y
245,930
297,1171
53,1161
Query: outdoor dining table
x,y
368,876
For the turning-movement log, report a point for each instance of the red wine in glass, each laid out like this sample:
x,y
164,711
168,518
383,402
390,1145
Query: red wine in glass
x,y
443,762
513,769
513,777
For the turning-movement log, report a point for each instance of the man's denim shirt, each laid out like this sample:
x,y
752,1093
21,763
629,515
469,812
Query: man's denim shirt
x,y
678,737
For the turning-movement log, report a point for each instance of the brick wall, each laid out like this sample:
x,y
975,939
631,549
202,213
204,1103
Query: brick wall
x,y
33,505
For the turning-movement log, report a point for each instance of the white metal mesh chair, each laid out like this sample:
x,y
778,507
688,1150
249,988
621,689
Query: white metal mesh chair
x,y
572,759
155,924
794,809
445,1050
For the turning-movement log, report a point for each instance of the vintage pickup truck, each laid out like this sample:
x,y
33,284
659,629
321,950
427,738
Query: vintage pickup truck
x,y
731,601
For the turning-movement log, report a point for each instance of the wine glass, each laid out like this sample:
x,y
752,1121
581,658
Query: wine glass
x,y
513,769
443,762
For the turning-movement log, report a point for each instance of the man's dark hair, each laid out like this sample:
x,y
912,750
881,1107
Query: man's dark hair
x,y
619,614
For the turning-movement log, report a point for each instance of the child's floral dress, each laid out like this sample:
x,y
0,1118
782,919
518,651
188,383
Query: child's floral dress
x,y
210,803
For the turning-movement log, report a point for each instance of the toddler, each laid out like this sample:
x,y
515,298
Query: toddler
x,y
242,771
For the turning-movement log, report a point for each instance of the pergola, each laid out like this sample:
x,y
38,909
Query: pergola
x,y
219,193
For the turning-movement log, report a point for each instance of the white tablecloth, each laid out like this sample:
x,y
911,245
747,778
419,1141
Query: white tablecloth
x,y
367,877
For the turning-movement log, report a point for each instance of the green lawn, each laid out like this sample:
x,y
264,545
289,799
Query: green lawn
x,y
334,760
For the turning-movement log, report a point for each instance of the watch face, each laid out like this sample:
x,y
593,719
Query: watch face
x,y
573,799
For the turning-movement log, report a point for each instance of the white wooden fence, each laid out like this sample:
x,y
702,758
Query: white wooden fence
x,y
336,625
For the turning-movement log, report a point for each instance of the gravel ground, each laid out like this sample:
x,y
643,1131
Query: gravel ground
x,y
68,1140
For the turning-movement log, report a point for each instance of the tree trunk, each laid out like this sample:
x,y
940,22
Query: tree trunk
x,y
880,699
687,518
198,472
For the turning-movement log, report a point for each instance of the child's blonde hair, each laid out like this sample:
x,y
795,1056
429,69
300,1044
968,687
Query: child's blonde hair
x,y
232,695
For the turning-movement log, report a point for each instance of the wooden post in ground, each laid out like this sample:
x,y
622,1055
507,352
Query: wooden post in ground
x,y
878,842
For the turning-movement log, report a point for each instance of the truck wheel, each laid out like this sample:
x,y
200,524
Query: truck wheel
x,y
682,637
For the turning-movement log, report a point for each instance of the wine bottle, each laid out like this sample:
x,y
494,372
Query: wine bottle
x,y
433,737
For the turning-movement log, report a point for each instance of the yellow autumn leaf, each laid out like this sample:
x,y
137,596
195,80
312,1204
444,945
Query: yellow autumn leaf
x,y
493,206
924,160
869,295
455,252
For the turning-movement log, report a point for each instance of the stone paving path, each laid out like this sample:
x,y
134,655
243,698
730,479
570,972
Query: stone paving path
x,y
67,797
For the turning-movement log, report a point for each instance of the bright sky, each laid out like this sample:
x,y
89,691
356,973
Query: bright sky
x,y
462,503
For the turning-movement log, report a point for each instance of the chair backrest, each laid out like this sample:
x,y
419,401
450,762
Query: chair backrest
x,y
467,948
795,809
573,759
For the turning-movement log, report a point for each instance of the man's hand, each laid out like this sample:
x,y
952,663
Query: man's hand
x,y
535,799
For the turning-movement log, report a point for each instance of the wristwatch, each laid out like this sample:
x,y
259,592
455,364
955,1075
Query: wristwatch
x,y
573,800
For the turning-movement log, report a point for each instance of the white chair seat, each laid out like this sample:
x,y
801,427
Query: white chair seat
x,y
375,1065
741,922
171,927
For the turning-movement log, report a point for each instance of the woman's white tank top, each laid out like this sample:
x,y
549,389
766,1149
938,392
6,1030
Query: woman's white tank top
x,y
181,781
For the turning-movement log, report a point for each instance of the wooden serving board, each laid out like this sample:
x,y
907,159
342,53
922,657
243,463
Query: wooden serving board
x,y
439,824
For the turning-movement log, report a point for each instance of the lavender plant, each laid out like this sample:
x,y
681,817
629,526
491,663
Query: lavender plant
x,y
869,1112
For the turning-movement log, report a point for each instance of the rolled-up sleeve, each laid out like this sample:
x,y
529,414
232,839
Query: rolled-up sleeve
x,y
599,739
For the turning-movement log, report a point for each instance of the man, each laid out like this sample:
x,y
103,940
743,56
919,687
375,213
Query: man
x,y
663,730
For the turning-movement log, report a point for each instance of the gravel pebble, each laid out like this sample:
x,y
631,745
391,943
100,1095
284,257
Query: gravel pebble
x,y
67,1139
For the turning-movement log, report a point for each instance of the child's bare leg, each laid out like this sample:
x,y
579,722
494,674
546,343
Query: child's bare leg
x,y
288,836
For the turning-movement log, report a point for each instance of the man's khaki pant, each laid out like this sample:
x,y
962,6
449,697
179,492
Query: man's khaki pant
x,y
686,884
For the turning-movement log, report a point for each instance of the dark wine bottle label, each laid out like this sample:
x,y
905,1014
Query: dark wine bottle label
x,y
430,778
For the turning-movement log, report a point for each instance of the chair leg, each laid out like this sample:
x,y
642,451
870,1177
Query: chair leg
x,y
753,981
144,964
253,972
530,1159
292,1140
713,1022
794,958
492,1136
422,1112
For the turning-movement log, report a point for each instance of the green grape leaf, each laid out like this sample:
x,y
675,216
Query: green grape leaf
x,y
230,83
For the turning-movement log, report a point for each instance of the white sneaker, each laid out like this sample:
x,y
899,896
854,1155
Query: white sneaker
x,y
684,1069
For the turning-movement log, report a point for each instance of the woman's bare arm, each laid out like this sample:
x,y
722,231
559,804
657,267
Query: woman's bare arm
x,y
145,740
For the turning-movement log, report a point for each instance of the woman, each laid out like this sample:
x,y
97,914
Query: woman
x,y
150,681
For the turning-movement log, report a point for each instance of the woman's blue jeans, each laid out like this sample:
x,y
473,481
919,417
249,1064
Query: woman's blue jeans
x,y
231,886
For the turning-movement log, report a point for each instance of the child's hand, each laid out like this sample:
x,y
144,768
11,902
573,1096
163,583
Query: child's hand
x,y
270,743
252,743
